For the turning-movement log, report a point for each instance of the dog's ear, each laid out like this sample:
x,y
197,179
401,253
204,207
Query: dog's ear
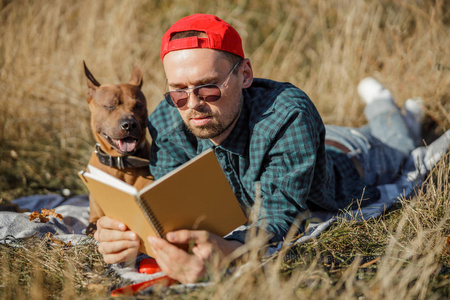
x,y
93,84
136,77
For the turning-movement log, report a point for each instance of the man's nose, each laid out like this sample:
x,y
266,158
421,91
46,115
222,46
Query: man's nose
x,y
194,101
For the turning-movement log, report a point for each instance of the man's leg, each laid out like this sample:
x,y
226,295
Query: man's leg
x,y
386,122
388,135
385,142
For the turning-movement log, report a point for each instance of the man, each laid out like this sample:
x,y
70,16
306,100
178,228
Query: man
x,y
262,132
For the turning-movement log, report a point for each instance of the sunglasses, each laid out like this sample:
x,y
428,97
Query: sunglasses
x,y
207,92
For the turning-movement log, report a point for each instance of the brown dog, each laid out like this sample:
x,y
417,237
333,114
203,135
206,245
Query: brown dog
x,y
119,123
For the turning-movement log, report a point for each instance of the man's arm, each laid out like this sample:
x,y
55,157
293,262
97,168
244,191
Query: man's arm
x,y
293,166
287,182
172,144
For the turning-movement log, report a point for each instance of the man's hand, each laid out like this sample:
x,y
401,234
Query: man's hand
x,y
183,266
116,243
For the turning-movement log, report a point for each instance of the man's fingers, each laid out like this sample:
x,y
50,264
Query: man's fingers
x,y
109,223
175,262
189,267
114,235
119,251
169,254
123,256
159,244
116,243
188,236
205,252
105,225
108,248
164,253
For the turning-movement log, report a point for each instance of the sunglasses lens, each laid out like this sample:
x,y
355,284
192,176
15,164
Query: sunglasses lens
x,y
177,98
181,102
208,93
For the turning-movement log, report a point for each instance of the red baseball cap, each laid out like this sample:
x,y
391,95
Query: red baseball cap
x,y
220,35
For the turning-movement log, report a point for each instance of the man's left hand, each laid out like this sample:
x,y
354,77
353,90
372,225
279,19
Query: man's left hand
x,y
190,267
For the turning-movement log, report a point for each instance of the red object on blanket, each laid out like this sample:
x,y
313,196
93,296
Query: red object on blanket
x,y
137,287
149,266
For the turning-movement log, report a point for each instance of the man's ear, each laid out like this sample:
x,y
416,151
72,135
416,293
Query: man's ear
x,y
93,84
136,77
248,73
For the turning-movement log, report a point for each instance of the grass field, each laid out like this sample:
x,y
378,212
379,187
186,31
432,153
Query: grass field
x,y
324,47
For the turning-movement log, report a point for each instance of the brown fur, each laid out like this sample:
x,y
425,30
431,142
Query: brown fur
x,y
119,111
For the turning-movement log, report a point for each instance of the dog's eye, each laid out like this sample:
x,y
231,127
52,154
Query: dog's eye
x,y
139,105
108,107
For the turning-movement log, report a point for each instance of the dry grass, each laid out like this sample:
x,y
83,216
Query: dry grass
x,y
324,47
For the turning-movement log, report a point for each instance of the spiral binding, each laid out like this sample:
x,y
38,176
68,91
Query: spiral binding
x,y
148,212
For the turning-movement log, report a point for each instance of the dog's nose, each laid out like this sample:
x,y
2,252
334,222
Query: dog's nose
x,y
128,124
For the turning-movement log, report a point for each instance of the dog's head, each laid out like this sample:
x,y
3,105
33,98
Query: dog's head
x,y
118,113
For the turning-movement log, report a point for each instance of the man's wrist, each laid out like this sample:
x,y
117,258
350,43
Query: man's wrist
x,y
232,245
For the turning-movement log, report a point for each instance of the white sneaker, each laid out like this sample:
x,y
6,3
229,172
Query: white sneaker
x,y
371,90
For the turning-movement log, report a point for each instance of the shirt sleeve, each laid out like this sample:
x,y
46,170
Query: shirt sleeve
x,y
287,181
172,144
293,170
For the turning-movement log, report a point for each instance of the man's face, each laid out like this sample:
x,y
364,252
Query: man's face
x,y
194,67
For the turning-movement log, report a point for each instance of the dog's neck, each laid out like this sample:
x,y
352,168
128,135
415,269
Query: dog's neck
x,y
122,162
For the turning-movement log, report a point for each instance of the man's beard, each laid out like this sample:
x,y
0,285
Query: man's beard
x,y
215,127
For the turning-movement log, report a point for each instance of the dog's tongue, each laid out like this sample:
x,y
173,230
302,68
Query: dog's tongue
x,y
126,145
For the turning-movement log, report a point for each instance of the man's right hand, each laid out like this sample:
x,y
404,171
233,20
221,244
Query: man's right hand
x,y
116,243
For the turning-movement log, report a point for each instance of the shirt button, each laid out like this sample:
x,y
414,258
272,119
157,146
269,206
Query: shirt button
x,y
238,194
227,169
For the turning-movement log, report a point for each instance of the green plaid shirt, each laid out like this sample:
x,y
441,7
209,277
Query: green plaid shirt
x,y
278,142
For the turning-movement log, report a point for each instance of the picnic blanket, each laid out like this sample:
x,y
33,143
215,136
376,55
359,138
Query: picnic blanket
x,y
75,210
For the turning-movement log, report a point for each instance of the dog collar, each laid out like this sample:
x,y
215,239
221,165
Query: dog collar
x,y
120,162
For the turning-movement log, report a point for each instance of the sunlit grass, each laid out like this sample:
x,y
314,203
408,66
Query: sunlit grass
x,y
324,47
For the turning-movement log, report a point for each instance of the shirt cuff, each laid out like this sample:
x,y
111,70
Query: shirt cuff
x,y
240,234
